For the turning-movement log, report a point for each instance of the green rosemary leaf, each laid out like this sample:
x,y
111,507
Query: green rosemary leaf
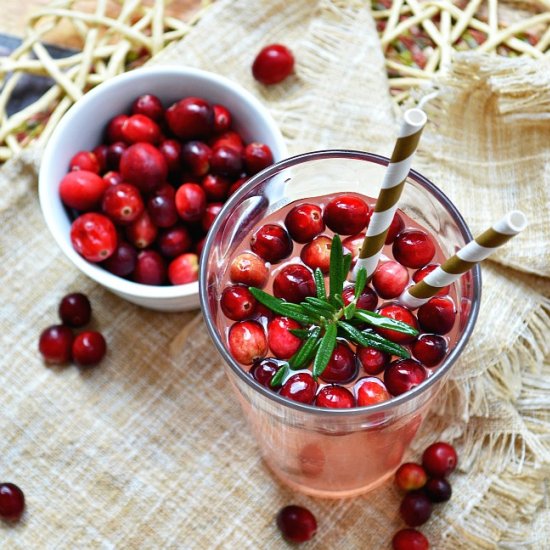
x,y
312,310
360,282
320,284
299,332
336,271
349,310
347,265
373,341
294,311
305,354
280,375
380,321
321,304
324,351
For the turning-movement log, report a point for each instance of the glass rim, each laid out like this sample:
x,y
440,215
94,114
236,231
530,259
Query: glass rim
x,y
311,409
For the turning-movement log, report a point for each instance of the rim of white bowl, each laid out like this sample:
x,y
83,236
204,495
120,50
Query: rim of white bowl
x,y
47,199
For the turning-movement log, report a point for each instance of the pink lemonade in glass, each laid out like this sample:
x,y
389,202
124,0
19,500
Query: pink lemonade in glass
x,y
333,414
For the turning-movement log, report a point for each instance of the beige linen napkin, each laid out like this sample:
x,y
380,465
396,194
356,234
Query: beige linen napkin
x,y
150,450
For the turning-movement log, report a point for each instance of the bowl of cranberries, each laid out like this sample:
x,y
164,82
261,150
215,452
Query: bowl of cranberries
x,y
138,169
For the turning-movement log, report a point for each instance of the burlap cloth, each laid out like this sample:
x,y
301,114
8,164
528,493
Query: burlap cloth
x,y
150,450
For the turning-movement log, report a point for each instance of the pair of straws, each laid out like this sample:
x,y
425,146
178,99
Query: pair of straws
x,y
393,182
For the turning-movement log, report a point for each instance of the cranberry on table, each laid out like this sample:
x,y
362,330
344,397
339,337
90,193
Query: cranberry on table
x,y
142,232
150,268
93,236
143,165
403,375
390,279
370,391
222,119
264,370
122,203
304,222
257,156
237,302
216,187
300,387
421,273
89,348
438,489
353,244
334,397
249,269
281,341
413,248
75,309
85,160
55,344
113,132
271,242
396,226
191,118
140,128
410,476
398,313
416,508
346,214
196,156
190,202
410,539
429,349
82,189
342,367
150,106
439,459
12,502
296,523
367,299
437,315
247,342
273,64
161,206
122,261
316,254
184,269
226,161
372,360
294,283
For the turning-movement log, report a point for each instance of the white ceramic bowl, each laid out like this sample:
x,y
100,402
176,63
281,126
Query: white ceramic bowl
x,y
82,128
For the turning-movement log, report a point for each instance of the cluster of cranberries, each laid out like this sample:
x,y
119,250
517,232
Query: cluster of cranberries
x,y
143,200
426,484
288,252
58,344
12,502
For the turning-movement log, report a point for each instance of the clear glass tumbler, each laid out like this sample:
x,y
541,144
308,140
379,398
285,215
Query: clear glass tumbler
x,y
332,452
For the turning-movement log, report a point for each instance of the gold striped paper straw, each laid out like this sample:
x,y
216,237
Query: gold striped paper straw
x,y
466,258
392,185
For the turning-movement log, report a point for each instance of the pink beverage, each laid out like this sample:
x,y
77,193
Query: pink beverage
x,y
342,430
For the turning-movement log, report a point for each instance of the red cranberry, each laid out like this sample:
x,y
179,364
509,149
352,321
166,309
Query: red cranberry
x,y
281,341
171,151
249,270
367,299
410,539
190,202
162,206
55,344
122,203
200,246
150,268
100,153
300,387
372,360
429,349
396,226
346,214
398,313
229,139
370,391
112,178
342,367
294,283
264,370
273,64
144,166
85,160
210,214
423,271
415,508
271,242
215,187
438,490
122,261
257,156
437,315
316,254
114,154
114,129
89,348
413,248
142,232
75,310
237,302
226,161
235,185
354,244
184,269
140,128
410,476
150,106
335,397
12,502
439,459
304,222
82,189
93,236
390,279
403,375
196,157
174,241
247,342
191,118
222,119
